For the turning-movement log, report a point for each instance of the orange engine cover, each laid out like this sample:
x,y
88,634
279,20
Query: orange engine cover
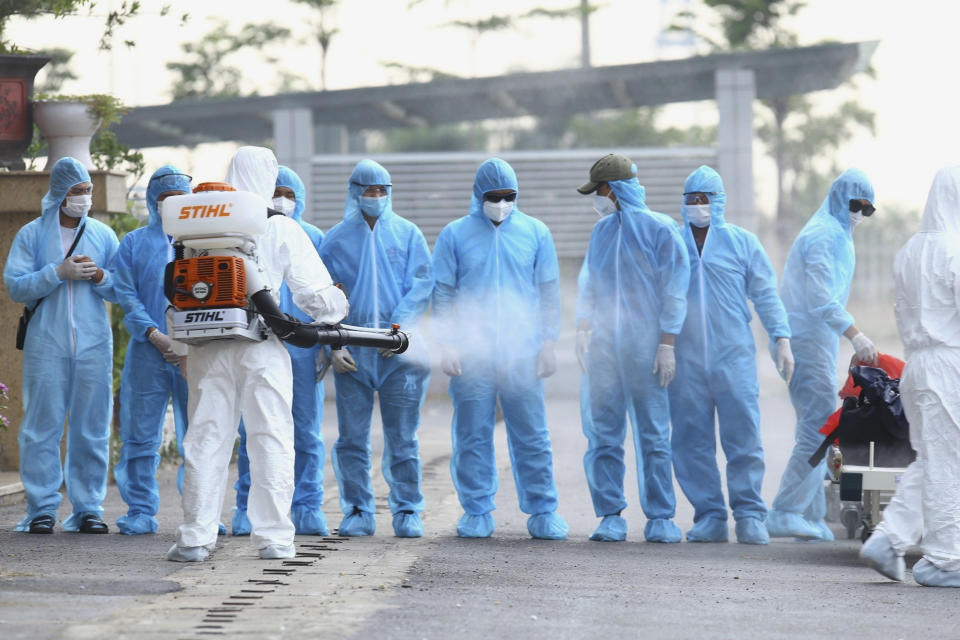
x,y
223,275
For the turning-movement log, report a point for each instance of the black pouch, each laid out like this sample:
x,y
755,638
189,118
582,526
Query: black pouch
x,y
22,327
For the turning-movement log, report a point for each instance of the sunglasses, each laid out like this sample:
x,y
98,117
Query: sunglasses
x,y
697,197
857,205
173,181
494,197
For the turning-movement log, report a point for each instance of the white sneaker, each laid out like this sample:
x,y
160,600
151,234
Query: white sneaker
x,y
278,552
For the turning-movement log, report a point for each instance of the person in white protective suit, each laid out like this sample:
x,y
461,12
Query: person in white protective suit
x,y
926,507
231,378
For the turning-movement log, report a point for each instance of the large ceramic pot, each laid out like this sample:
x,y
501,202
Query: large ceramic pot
x,y
16,116
67,127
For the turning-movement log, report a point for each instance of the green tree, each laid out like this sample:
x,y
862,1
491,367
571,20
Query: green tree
x,y
793,132
323,31
207,71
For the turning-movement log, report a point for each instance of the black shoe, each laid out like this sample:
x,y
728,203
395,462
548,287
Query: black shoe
x,y
42,524
91,523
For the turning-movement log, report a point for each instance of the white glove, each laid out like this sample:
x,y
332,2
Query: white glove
x,y
546,360
866,351
76,268
343,361
386,353
323,363
784,359
164,345
450,362
583,347
665,364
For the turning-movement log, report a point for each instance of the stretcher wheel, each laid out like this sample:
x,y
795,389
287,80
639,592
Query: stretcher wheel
x,y
851,519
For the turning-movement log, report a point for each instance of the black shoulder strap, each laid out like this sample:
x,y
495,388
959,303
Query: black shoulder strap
x,y
69,253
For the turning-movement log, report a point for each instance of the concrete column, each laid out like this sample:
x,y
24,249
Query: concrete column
x,y
293,139
735,92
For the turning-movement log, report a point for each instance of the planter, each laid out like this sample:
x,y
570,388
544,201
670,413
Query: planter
x,y
16,117
67,127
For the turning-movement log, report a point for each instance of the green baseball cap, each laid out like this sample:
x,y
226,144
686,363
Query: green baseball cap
x,y
612,166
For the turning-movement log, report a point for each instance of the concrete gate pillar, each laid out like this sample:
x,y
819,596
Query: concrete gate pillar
x,y
293,137
735,92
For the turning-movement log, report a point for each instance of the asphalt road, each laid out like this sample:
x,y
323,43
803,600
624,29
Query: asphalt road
x,y
440,586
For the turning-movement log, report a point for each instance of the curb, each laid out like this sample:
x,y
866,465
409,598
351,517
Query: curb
x,y
11,494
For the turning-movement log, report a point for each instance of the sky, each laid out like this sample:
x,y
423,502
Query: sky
x,y
914,93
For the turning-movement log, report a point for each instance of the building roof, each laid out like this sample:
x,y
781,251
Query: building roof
x,y
779,72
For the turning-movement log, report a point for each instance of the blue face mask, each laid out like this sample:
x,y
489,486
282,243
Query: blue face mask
x,y
373,206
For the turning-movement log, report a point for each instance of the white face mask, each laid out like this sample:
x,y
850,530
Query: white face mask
x,y
497,211
77,206
698,214
855,219
284,205
603,205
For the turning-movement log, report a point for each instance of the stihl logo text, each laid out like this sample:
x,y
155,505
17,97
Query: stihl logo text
x,y
203,316
205,211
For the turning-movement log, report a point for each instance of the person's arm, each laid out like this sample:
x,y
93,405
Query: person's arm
x,y
585,297
762,291
308,278
674,270
548,281
24,283
136,318
418,278
103,280
445,286
819,275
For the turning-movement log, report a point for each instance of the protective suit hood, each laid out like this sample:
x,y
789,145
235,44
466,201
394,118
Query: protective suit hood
x,y
852,184
493,175
942,212
287,177
630,193
367,173
66,173
254,169
706,180
154,189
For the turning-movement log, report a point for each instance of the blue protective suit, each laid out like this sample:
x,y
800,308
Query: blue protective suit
x,y
816,285
306,510
633,288
496,301
148,380
67,358
716,362
388,278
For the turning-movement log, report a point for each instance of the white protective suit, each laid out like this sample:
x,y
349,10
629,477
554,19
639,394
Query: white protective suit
x,y
926,506
232,378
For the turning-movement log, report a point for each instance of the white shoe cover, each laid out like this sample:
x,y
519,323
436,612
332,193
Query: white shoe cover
x,y
189,554
278,552
879,554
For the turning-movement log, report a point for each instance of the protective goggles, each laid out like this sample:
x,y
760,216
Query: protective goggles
x,y
497,197
857,205
697,197
171,181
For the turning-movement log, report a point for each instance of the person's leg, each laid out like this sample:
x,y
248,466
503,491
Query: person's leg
x,y
694,449
88,437
240,525
213,373
266,396
46,391
604,409
144,393
180,417
738,412
473,464
307,512
401,396
351,452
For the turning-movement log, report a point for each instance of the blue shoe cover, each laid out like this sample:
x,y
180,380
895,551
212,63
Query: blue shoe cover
x,y
547,526
929,575
662,530
475,526
612,528
785,524
407,525
752,531
709,530
824,534
278,552
134,524
309,521
358,523
880,556
24,525
221,529
240,525
72,524
189,554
